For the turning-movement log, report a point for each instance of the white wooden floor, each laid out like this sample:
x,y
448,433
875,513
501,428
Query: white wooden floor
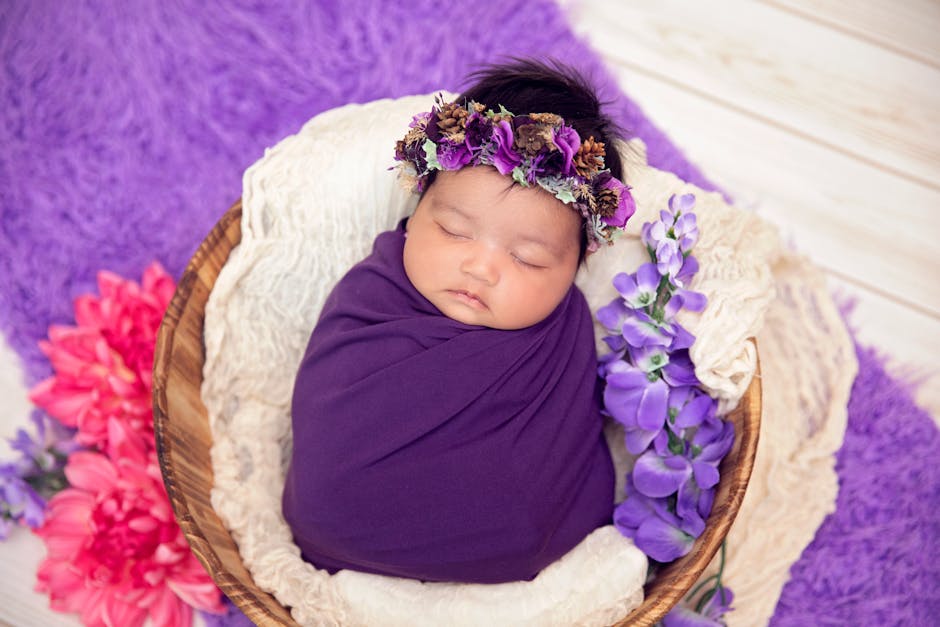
x,y
823,116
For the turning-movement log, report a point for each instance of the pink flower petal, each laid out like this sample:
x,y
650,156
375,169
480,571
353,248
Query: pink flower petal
x,y
90,471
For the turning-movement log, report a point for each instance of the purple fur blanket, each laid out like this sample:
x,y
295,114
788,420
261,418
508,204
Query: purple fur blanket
x,y
125,128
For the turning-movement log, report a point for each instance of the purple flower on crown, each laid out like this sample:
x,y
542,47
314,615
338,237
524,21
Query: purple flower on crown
x,y
505,158
534,148
431,129
453,156
568,142
477,132
626,206
537,166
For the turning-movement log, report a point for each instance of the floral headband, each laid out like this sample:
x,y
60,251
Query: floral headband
x,y
538,148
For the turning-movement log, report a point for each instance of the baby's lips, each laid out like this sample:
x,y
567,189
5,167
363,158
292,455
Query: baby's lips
x,y
469,294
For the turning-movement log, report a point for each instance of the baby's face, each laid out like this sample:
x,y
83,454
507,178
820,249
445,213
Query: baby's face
x,y
488,252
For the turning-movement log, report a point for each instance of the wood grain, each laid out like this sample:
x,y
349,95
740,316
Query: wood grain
x,y
677,578
184,440
182,427
784,70
851,218
908,27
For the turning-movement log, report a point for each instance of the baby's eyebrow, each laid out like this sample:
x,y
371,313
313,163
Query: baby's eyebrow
x,y
453,209
535,239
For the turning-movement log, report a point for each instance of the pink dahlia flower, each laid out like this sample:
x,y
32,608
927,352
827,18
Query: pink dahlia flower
x,y
128,315
115,553
103,365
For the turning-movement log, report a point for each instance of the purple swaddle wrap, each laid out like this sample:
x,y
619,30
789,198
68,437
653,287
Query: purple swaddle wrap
x,y
437,450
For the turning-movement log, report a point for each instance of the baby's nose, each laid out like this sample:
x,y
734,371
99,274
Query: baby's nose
x,y
482,265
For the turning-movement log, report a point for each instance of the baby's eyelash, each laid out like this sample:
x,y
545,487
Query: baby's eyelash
x,y
518,260
527,264
450,234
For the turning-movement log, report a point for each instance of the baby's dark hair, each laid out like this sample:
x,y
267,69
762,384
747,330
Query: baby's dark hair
x,y
527,86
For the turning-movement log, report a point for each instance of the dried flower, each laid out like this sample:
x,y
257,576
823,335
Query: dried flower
x,y
534,148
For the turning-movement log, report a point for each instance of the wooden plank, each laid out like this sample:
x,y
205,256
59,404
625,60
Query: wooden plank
x,y
853,97
909,28
850,217
14,411
20,605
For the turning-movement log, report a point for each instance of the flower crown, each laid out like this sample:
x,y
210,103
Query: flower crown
x,y
538,148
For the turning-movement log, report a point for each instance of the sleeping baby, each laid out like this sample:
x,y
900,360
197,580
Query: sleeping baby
x,y
446,413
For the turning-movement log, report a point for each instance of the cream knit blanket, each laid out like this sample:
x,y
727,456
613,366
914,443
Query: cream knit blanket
x,y
312,206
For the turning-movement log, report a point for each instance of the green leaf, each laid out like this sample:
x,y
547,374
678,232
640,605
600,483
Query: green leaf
x,y
430,155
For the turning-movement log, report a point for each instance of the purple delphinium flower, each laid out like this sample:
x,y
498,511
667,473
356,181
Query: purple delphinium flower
x,y
688,407
711,606
18,500
712,441
681,204
655,232
659,477
233,617
686,231
420,120
639,289
636,401
668,258
26,483
652,390
718,604
53,443
613,314
655,530
640,329
650,359
680,370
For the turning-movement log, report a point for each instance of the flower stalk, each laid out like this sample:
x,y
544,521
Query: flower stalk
x,y
650,387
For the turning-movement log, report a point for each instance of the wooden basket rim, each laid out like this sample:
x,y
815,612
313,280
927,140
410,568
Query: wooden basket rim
x,y
225,235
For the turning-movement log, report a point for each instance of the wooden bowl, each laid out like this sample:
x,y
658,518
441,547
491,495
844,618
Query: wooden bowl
x,y
184,440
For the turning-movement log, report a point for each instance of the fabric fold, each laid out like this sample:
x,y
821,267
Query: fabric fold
x,y
442,451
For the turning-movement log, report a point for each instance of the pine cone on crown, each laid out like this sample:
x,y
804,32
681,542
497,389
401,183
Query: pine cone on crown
x,y
607,202
452,120
589,160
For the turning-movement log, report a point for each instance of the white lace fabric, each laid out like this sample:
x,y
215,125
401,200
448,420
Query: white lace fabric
x,y
312,207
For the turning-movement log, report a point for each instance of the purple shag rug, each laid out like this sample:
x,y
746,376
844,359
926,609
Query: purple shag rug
x,y
125,129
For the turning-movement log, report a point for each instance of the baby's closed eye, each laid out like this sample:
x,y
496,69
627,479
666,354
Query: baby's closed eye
x,y
527,264
450,233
